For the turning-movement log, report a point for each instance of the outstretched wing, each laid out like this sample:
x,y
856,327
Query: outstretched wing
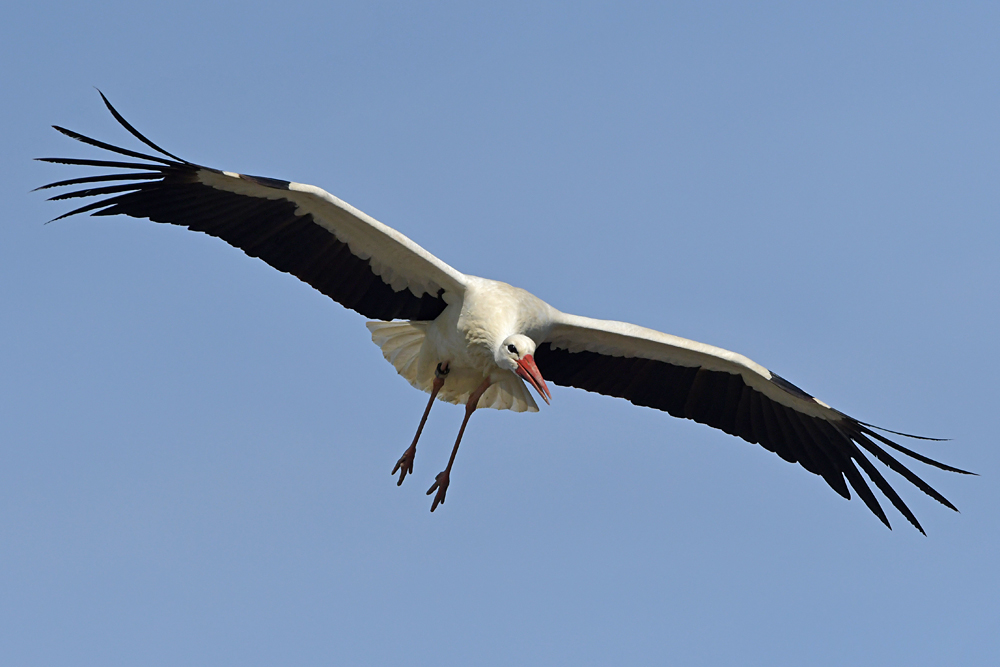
x,y
727,391
299,229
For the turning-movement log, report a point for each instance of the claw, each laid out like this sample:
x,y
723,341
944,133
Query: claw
x,y
441,484
405,464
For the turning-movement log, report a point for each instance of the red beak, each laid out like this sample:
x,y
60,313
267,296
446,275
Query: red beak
x,y
527,369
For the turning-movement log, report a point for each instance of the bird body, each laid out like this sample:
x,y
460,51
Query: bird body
x,y
476,341
468,334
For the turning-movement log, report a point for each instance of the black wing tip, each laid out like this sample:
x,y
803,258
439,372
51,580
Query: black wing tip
x,y
962,472
905,435
134,132
107,102
863,428
64,215
72,134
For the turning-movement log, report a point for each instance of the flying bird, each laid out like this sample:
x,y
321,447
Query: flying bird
x,y
475,341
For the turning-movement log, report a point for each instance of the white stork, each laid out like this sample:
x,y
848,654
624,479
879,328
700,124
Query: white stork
x,y
475,341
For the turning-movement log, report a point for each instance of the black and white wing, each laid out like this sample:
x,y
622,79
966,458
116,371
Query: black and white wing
x,y
727,391
299,229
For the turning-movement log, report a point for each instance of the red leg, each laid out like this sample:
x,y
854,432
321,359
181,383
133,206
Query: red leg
x,y
444,477
405,463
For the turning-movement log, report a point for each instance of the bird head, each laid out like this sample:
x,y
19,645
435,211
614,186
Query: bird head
x,y
515,354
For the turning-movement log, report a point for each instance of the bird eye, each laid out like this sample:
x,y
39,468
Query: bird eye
x,y
512,349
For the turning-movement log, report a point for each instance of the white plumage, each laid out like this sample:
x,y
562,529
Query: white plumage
x,y
475,341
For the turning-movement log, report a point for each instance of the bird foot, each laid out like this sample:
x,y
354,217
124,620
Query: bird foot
x,y
405,464
441,484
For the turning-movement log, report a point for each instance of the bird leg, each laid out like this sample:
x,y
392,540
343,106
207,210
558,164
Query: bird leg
x,y
405,463
444,477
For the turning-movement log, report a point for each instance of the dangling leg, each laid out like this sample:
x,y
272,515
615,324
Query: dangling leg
x,y
443,478
405,463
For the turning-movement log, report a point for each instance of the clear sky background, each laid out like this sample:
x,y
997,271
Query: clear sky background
x,y
195,450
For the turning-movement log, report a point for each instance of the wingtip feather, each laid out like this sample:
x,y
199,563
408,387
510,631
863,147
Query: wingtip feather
x,y
134,132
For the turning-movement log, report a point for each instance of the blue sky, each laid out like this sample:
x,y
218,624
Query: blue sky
x,y
195,449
